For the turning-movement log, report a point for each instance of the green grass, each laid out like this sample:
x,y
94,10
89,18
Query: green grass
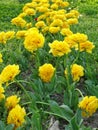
x,y
9,2
6,14
8,10
88,9
16,54
89,26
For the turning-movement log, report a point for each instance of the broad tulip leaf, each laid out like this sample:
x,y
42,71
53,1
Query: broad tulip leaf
x,y
62,111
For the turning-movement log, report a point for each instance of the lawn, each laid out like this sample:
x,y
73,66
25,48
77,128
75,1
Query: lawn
x,y
53,83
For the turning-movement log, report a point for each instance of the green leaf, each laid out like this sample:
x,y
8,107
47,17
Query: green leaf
x,y
75,99
36,121
9,127
66,108
19,128
68,127
23,128
61,111
85,128
71,98
67,98
92,89
74,124
2,126
78,117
